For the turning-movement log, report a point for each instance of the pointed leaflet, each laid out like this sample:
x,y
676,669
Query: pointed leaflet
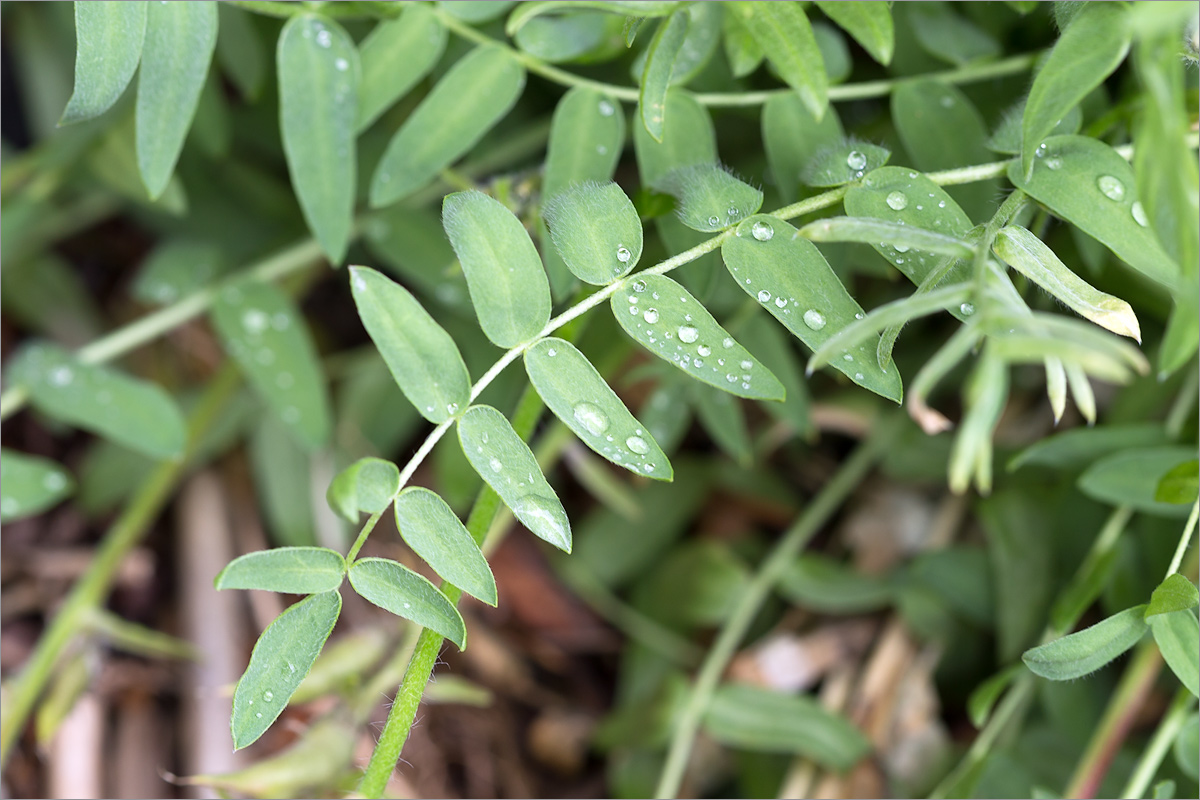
x,y
843,161
179,43
368,484
396,588
1087,52
784,34
283,655
421,356
504,273
395,55
709,198
1086,651
507,464
669,322
870,23
791,279
470,98
29,485
1178,638
269,338
656,76
577,395
108,46
869,229
1087,183
132,412
318,98
435,534
792,136
596,230
296,570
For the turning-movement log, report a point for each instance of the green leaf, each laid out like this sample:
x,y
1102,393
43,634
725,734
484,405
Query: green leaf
x,y
1083,652
507,464
699,45
1028,255
240,51
948,36
665,319
1007,136
826,586
465,104
774,349
435,534
577,395
1175,593
269,338
724,420
870,23
792,137
410,243
1087,183
30,485
1187,746
524,12
504,273
1130,477
742,50
422,357
282,472
396,54
869,229
842,162
656,77
762,720
582,37
835,52
985,695
1180,484
689,140
396,588
476,11
1080,447
109,45
794,282
710,198
368,484
129,411
1178,638
596,230
295,570
1021,557
783,32
1085,54
179,43
176,269
318,102
283,655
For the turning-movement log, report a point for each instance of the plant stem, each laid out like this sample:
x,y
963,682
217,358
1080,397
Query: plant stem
x,y
1184,405
1184,540
822,507
92,588
1161,742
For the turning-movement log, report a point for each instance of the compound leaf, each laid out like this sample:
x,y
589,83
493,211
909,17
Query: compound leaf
x,y
296,570
396,588
108,47
29,485
435,534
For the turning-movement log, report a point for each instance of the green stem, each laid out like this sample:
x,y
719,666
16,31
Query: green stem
x,y
1184,540
1185,403
1159,744
822,507
91,589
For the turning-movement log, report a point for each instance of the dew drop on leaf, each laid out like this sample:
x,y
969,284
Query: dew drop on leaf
x,y
1139,214
966,309
1111,187
623,254
762,231
814,319
651,315
704,350
764,296
856,160
897,201
688,334
637,444
591,417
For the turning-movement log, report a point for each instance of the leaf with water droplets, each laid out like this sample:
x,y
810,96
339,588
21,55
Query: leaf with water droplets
x,y
422,357
30,485
396,54
792,137
774,348
709,198
109,45
869,229
318,102
396,588
283,655
129,411
507,464
366,485
462,107
269,338
870,23
435,534
845,161
770,260
656,76
783,32
296,570
577,395
504,273
1085,54
175,269
596,230
1027,254
1087,183
1006,138
179,43
1083,652
665,319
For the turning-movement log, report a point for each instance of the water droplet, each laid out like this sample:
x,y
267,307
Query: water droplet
x,y
606,109
727,343
408,605
268,696
858,376
623,255
54,481
255,321
688,334
764,296
638,445
897,201
858,315
814,319
591,418
341,64
856,160
495,465
781,302
902,248
651,315
452,408
732,213
1139,214
61,376
1111,187
1054,162
258,715
947,101
1041,150
543,516
639,286
714,221
704,350
551,352
633,310
747,364
966,309
847,357
324,38
601,149
762,231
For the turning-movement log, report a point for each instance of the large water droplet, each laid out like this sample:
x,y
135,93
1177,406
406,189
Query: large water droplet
x,y
639,286
1139,214
814,319
341,64
762,231
902,248
1111,187
688,334
623,255
704,350
764,296
651,315
268,696
591,418
495,465
856,160
781,302
897,201
638,445
606,109
966,309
